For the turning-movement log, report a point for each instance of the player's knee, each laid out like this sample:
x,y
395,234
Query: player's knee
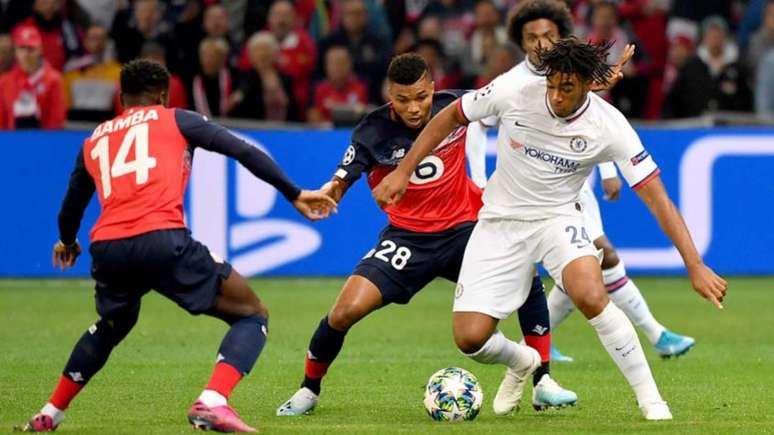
x,y
344,315
592,301
117,327
260,309
469,339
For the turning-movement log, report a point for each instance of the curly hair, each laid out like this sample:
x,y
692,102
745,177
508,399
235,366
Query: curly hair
x,y
143,76
571,56
555,11
406,69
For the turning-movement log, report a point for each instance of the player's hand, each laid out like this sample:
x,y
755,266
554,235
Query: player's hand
x,y
611,188
315,205
708,284
391,189
65,255
616,71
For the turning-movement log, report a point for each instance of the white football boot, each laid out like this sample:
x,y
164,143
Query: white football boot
x,y
300,403
512,387
549,394
656,411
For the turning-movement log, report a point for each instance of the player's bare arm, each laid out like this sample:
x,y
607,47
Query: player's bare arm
x,y
612,188
708,284
393,186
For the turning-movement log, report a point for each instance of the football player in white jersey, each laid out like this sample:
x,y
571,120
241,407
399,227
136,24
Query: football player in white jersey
x,y
552,131
537,23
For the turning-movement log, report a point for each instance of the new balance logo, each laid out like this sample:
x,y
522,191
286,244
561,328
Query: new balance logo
x,y
76,376
93,329
539,329
398,154
310,355
220,357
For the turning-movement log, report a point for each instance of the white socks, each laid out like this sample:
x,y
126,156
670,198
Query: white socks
x,y
620,340
57,415
628,298
500,350
212,398
559,307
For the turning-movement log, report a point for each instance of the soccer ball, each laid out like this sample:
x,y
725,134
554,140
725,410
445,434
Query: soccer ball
x,y
453,394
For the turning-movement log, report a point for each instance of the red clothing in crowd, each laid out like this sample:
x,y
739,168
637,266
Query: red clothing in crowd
x,y
297,59
36,100
53,44
327,96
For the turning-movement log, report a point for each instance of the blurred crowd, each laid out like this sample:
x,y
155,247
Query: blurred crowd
x,y
314,60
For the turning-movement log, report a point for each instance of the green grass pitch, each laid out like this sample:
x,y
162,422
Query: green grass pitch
x,y
724,385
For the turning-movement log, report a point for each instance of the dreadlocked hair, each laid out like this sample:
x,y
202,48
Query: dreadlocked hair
x,y
570,56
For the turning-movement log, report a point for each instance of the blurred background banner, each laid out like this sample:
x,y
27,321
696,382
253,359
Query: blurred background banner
x,y
721,179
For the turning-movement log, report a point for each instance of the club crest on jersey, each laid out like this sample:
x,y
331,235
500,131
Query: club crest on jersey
x,y
349,156
578,144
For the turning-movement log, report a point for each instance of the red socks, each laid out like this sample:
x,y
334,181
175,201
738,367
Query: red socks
x,y
224,378
64,393
541,343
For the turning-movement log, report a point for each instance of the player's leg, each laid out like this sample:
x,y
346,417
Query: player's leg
x,y
570,257
582,279
401,264
494,282
560,306
118,304
625,294
357,299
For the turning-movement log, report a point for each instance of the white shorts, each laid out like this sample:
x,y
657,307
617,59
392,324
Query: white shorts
x,y
497,269
591,215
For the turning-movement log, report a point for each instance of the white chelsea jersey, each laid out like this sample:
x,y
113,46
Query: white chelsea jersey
x,y
543,160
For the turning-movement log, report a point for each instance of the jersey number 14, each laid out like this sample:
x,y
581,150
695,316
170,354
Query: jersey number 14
x,y
136,137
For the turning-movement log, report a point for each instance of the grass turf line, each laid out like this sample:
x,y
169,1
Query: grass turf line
x,y
724,385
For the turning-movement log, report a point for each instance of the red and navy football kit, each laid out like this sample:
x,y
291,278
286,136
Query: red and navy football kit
x,y
139,163
429,228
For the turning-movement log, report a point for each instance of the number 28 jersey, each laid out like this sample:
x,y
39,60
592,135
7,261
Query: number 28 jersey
x,y
439,195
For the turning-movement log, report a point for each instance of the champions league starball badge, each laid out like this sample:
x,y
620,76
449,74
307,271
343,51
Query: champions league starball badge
x,y
578,144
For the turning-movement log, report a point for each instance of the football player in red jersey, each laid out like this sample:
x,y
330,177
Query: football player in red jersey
x,y
426,235
139,163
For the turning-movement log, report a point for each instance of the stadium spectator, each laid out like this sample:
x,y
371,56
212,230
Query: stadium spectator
x,y
501,59
687,81
31,94
100,12
720,55
341,87
297,55
265,92
630,94
213,22
212,86
6,53
764,87
751,21
60,36
178,96
443,72
370,53
686,16
489,33
138,24
763,40
91,80
648,19
456,22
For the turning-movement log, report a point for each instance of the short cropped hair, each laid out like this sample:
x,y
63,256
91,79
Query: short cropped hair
x,y
406,69
555,11
143,76
571,56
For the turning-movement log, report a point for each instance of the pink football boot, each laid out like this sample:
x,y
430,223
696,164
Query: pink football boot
x,y
218,418
39,423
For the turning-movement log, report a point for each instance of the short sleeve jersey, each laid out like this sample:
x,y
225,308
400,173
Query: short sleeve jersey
x,y
440,195
542,159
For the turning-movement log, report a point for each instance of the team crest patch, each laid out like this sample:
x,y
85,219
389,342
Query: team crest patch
x,y
349,156
636,160
458,291
578,144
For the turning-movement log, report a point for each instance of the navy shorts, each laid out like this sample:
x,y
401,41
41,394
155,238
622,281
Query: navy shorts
x,y
403,262
168,261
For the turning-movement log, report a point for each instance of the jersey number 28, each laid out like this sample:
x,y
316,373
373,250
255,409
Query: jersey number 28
x,y
136,137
